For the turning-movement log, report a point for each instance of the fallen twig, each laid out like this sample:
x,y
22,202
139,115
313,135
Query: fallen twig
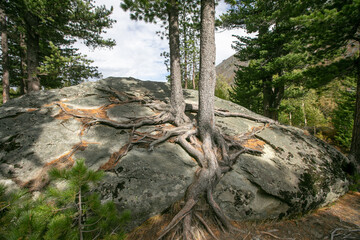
x,y
347,232
272,235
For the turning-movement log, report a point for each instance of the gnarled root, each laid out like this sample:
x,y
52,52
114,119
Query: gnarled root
x,y
215,156
203,185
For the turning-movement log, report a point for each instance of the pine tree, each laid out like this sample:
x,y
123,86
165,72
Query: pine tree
x,y
327,29
73,211
273,64
40,23
168,13
5,61
343,115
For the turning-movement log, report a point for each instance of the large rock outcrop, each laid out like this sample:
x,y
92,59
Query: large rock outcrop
x,y
293,172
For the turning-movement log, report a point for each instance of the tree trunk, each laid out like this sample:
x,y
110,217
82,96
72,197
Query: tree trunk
x,y
193,71
194,52
185,51
177,98
32,54
80,215
304,112
355,141
5,61
272,97
267,95
206,119
185,71
279,94
23,70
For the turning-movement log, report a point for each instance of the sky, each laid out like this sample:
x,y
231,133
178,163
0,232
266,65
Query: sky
x,y
138,48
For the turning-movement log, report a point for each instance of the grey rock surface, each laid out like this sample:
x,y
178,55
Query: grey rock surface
x,y
294,173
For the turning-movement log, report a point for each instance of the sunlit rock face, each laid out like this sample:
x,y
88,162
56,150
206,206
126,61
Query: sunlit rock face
x,y
291,172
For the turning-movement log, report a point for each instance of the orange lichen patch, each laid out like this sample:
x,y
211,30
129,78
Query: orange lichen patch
x,y
114,99
48,105
84,127
254,129
42,178
254,144
115,158
32,109
306,133
62,162
84,113
80,146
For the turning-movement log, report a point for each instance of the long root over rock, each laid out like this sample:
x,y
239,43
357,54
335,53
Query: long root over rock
x,y
215,156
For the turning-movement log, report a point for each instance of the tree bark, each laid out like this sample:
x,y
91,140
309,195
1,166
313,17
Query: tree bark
x,y
272,99
177,99
32,54
206,118
304,112
194,60
185,51
267,95
194,71
185,70
279,94
23,71
5,60
355,141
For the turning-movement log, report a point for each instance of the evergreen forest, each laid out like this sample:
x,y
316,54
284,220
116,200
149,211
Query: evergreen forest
x,y
302,69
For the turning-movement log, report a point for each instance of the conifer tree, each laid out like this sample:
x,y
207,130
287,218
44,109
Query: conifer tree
x,y
273,63
5,61
168,13
73,211
40,23
325,30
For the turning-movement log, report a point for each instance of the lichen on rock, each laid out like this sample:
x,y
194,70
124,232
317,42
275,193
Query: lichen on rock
x,y
288,173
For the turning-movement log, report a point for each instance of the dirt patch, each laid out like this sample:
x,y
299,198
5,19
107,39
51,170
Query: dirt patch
x,y
340,220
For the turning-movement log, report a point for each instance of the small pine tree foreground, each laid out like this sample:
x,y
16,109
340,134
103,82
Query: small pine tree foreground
x,y
69,212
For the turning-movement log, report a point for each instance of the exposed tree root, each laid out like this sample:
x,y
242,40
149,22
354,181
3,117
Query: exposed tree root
x,y
226,113
205,225
215,155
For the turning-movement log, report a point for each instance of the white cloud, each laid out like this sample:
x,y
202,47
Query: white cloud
x,y
138,48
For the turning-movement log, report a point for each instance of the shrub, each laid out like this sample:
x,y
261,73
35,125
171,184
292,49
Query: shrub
x,y
72,212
